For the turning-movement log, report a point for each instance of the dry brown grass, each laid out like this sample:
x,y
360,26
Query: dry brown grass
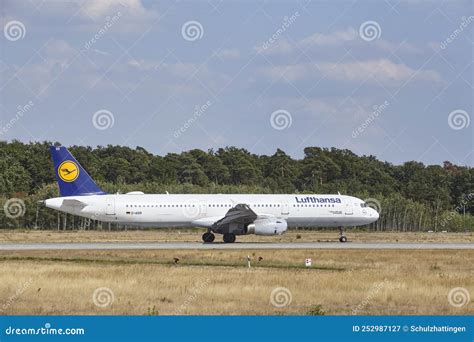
x,y
195,235
370,281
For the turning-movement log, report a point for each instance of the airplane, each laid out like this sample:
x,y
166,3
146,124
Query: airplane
x,y
226,214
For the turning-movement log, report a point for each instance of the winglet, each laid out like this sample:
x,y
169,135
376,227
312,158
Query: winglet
x,y
72,179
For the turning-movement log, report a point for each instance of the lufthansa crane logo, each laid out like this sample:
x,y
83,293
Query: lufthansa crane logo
x,y
68,171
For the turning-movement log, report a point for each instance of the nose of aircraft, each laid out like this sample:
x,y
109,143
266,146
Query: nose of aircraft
x,y
375,214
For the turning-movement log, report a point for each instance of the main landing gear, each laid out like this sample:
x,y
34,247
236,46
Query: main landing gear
x,y
342,236
208,237
229,238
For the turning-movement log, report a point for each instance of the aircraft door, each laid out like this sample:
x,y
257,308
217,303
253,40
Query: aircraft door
x,y
349,210
285,208
110,205
202,208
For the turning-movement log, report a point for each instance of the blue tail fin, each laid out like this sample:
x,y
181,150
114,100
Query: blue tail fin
x,y
72,179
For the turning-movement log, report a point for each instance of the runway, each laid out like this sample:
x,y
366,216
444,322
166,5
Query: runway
x,y
233,246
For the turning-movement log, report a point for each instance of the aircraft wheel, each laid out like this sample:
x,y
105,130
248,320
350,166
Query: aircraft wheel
x,y
342,239
208,237
229,238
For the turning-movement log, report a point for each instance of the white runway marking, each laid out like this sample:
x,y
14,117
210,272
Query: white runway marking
x,y
237,245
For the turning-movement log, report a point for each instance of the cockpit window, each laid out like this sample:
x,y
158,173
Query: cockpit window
x,y
363,205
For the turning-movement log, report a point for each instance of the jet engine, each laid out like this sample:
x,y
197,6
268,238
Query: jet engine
x,y
267,227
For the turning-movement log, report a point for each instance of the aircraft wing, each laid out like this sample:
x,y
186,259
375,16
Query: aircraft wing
x,y
235,220
240,214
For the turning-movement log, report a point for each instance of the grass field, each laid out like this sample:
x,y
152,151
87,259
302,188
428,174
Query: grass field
x,y
194,235
216,282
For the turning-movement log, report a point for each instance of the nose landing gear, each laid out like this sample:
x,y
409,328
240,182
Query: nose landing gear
x,y
342,236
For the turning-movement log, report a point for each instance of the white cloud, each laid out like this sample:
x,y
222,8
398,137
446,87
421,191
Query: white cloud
x,y
102,8
348,38
88,15
179,69
383,71
229,54
336,38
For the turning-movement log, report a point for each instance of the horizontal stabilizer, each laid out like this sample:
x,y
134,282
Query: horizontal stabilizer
x,y
74,203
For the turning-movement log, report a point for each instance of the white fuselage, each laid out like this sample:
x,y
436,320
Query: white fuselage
x,y
203,210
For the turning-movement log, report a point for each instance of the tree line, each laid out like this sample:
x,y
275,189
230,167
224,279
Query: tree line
x,y
410,197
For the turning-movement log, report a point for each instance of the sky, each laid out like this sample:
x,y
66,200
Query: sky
x,y
392,79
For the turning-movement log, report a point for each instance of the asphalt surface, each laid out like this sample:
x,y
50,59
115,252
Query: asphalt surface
x,y
219,245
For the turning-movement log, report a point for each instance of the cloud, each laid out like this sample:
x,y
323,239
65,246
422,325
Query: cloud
x,y
349,109
348,38
180,70
228,54
56,58
101,8
60,63
87,15
382,71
